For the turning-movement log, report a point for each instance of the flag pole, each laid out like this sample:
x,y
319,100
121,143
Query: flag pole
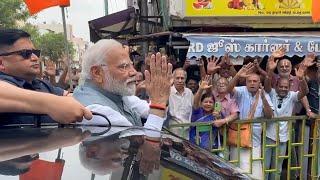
x,y
66,45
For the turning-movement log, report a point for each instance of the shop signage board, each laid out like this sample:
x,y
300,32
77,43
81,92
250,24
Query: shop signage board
x,y
249,45
213,8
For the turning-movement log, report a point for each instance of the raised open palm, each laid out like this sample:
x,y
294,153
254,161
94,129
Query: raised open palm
x,y
309,59
301,70
50,69
212,65
204,84
272,63
279,52
246,70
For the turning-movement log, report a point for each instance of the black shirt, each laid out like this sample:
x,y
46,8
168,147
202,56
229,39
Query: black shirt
x,y
35,85
313,96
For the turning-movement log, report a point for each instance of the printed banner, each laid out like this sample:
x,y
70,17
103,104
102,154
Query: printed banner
x,y
247,8
208,45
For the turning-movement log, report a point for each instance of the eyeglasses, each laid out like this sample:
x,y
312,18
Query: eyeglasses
x,y
25,53
280,103
126,66
123,66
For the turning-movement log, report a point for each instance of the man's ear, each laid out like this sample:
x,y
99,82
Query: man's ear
x,y
97,74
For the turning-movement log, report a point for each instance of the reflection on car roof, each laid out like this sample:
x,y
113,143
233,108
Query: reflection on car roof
x,y
179,157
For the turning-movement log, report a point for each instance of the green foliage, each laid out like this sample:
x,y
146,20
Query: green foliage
x,y
11,12
14,14
52,46
34,32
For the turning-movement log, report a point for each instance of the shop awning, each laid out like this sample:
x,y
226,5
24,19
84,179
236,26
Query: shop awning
x,y
252,44
112,25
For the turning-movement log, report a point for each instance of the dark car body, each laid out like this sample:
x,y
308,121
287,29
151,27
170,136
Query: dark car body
x,y
112,154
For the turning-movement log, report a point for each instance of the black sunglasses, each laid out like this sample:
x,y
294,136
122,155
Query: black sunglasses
x,y
25,53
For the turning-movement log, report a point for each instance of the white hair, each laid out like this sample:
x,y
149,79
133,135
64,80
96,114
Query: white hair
x,y
96,55
180,69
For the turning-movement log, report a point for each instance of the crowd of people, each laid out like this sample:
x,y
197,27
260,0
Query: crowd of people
x,y
224,95
153,94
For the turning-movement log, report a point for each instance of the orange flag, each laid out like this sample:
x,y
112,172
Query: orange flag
x,y
35,6
316,10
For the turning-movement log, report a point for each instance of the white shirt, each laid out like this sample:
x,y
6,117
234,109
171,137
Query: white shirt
x,y
245,100
180,105
140,106
286,109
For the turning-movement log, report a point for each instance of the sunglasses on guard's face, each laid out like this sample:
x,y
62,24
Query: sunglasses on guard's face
x,y
25,53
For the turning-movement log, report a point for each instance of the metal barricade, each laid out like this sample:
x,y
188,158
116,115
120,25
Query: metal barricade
x,y
292,144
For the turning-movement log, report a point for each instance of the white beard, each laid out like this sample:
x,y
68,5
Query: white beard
x,y
118,87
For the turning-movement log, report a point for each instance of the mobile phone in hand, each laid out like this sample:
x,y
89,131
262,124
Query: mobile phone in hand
x,y
217,106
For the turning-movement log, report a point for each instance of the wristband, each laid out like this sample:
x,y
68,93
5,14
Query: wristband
x,y
157,106
152,140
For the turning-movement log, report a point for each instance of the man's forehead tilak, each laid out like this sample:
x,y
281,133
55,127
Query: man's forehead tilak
x,y
285,62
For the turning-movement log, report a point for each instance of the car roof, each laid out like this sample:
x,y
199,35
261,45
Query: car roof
x,y
48,140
